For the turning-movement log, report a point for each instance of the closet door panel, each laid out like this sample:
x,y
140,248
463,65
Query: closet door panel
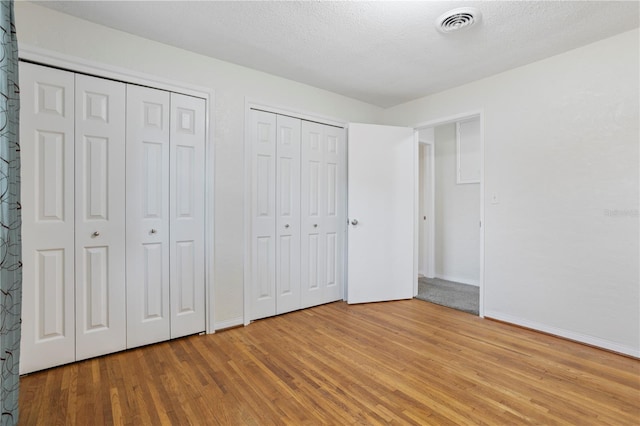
x,y
187,153
99,216
334,228
314,188
47,175
263,135
297,241
323,213
147,216
287,214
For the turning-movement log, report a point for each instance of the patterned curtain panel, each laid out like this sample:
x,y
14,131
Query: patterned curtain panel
x,y
10,221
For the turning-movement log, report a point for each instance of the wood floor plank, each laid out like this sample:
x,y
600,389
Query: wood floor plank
x,y
404,362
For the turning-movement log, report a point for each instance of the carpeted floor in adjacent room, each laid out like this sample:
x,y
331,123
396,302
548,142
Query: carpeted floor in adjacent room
x,y
458,296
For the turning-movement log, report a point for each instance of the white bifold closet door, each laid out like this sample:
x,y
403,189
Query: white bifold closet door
x,y
186,215
287,232
275,245
113,180
263,207
99,216
147,239
297,205
47,145
165,215
323,215
72,135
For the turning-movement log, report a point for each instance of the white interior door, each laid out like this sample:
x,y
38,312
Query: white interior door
x,y
334,228
381,179
322,208
147,166
99,216
313,206
187,215
47,140
287,214
263,211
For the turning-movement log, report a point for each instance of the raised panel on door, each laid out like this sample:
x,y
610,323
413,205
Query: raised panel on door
x,y
186,254
47,176
263,214
287,214
99,216
147,216
313,207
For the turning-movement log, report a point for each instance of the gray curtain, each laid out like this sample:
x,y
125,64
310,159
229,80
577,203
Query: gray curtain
x,y
10,220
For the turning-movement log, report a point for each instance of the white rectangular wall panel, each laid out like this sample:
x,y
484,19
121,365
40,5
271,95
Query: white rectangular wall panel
x,y
186,217
456,208
262,137
147,216
468,151
47,174
99,216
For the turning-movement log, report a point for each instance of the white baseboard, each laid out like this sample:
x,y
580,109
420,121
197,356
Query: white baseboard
x,y
459,280
567,334
233,322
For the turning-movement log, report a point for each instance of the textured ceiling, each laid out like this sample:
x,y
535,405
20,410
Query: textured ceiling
x,y
383,53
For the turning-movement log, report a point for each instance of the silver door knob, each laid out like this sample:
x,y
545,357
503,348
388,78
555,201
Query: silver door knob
x,y
153,231
95,234
354,222
315,225
286,226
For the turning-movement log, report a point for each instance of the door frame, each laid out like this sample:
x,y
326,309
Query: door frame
x,y
46,57
249,105
431,254
428,236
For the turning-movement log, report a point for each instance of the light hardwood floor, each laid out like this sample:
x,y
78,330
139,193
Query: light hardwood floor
x,y
405,362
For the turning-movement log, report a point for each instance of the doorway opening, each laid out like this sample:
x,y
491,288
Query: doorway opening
x,y
450,212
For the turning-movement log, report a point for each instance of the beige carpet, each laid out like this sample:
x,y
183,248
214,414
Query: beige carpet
x,y
458,296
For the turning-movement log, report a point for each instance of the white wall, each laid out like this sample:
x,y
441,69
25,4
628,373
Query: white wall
x,y
561,157
457,215
43,28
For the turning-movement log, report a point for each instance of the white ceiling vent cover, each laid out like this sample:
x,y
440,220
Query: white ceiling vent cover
x,y
458,19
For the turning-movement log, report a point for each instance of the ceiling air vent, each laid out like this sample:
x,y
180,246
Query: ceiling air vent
x,y
457,19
